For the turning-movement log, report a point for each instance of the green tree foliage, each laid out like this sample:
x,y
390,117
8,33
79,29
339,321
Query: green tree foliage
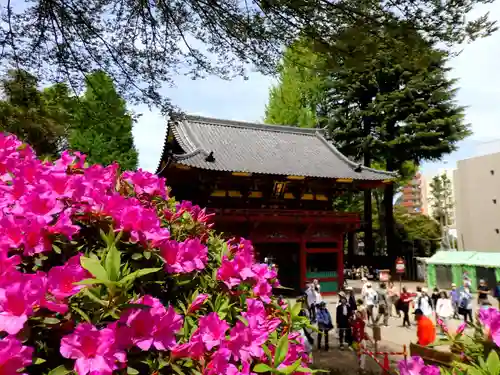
x,y
418,231
33,115
102,126
390,101
142,44
295,97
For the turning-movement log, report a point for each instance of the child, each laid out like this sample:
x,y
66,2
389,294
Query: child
x,y
359,336
344,312
324,323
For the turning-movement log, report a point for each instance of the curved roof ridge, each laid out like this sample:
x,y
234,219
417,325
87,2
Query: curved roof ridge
x,y
351,163
252,125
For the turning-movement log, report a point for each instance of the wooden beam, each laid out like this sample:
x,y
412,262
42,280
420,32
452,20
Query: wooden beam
x,y
218,193
181,166
295,177
241,174
344,180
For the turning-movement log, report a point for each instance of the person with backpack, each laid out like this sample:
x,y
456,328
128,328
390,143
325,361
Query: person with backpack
x,y
325,324
465,306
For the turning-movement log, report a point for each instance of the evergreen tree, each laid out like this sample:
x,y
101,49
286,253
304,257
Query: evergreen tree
x,y
142,44
389,101
34,116
102,126
442,205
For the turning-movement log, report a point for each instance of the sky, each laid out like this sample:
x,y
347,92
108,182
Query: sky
x,y
476,69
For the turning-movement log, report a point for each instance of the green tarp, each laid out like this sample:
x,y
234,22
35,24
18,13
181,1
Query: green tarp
x,y
469,258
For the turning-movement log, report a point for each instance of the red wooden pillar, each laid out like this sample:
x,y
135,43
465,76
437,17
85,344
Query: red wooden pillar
x,y
303,260
340,267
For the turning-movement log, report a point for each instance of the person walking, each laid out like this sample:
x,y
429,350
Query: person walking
x,y
424,303
455,300
344,313
325,324
383,304
364,287
370,301
311,302
482,293
426,331
444,309
434,298
465,305
405,300
393,295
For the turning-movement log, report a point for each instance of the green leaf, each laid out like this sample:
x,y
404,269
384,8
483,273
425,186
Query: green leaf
x,y
132,371
136,256
94,267
292,368
112,263
57,249
262,368
147,254
51,321
268,352
93,297
177,369
281,350
61,370
296,309
139,273
493,363
95,282
38,361
82,314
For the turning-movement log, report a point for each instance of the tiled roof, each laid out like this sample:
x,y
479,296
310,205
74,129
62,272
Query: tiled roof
x,y
233,146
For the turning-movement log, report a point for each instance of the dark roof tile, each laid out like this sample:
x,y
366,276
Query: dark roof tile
x,y
260,148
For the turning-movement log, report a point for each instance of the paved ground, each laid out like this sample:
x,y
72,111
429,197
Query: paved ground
x,y
393,337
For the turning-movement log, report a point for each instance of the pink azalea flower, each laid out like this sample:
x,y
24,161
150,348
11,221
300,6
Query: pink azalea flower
x,y
7,265
246,342
197,213
146,183
219,363
263,290
14,356
212,330
35,237
42,204
416,366
61,279
95,351
11,235
184,257
197,303
154,327
19,295
64,225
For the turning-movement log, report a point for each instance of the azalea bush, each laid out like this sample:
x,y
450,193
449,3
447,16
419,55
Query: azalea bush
x,y
102,272
477,354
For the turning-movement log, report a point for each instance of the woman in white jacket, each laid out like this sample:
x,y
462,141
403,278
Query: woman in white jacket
x,y
444,307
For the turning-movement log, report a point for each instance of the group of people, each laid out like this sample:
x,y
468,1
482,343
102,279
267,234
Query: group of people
x,y
350,318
